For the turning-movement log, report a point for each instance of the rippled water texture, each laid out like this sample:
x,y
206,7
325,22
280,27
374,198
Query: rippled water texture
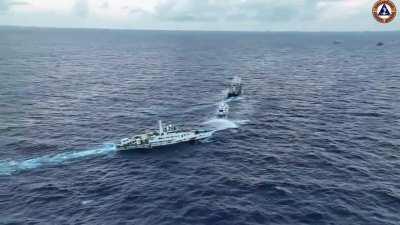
x,y
315,139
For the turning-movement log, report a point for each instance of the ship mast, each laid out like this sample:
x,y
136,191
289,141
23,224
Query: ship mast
x,y
160,127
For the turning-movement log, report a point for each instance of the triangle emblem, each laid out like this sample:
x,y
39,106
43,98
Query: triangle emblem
x,y
384,11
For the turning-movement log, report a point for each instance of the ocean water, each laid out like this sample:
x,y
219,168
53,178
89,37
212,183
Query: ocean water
x,y
315,138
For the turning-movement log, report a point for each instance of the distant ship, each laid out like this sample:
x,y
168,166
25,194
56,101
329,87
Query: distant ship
x,y
168,135
223,110
235,89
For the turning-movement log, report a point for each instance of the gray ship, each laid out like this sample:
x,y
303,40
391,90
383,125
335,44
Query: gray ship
x,y
235,89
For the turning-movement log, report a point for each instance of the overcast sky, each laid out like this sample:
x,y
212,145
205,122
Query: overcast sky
x,y
244,15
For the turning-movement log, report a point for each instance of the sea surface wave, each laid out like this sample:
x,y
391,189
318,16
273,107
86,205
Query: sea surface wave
x,y
315,138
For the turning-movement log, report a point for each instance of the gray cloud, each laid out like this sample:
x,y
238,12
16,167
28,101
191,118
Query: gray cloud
x,y
5,5
250,15
237,10
188,10
81,8
104,5
139,12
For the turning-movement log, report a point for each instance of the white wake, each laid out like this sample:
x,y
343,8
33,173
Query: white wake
x,y
10,167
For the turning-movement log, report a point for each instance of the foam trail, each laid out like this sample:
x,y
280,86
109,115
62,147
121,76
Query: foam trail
x,y
227,100
221,124
241,122
10,167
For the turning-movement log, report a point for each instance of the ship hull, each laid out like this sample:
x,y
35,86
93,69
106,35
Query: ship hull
x,y
233,94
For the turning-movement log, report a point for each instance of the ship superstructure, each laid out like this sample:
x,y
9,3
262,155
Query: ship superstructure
x,y
223,110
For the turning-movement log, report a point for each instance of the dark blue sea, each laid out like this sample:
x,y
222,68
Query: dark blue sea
x,y
314,139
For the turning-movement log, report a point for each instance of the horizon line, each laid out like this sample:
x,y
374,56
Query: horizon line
x,y
195,30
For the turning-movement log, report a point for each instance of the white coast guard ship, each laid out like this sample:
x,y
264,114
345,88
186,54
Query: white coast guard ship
x,y
168,135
